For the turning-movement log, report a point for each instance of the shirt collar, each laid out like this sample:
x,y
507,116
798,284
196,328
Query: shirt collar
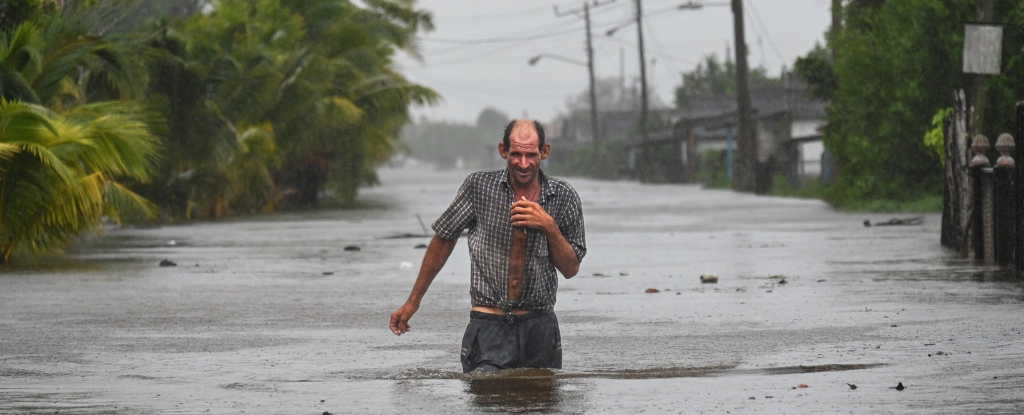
x,y
545,186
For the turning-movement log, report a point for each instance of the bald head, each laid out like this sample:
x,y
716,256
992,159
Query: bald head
x,y
524,123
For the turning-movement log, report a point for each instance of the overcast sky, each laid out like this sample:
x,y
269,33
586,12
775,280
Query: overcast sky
x,y
478,54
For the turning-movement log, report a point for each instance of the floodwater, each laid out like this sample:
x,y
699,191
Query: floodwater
x,y
274,315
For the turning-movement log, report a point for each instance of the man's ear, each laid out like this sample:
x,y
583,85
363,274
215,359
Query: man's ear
x,y
545,151
502,150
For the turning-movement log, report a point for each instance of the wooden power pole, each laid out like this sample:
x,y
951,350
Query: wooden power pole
x,y
980,92
645,170
594,125
746,149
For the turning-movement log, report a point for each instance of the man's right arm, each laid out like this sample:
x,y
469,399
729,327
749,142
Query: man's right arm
x,y
437,254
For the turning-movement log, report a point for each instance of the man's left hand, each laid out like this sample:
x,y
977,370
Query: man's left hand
x,y
531,215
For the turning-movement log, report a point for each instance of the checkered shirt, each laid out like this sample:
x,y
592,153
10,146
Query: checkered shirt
x,y
482,205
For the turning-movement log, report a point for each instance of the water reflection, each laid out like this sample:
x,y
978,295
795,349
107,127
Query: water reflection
x,y
523,391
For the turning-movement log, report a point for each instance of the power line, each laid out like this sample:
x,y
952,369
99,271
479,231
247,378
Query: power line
x,y
500,39
764,30
498,15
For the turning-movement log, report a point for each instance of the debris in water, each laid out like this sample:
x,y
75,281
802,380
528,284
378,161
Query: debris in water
x,y
898,222
172,242
168,263
327,273
852,386
900,386
782,281
352,248
708,279
751,398
420,246
802,386
652,291
326,413
623,274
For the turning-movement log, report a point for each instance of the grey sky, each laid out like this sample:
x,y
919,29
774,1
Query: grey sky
x,y
477,55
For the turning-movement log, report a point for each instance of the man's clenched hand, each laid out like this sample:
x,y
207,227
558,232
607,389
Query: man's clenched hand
x,y
400,318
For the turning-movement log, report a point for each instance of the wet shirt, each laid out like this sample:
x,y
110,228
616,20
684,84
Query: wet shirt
x,y
483,206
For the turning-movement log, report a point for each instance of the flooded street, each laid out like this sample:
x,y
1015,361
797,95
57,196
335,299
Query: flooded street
x,y
275,315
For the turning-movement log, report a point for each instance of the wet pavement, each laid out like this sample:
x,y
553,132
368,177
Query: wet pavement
x,y
274,315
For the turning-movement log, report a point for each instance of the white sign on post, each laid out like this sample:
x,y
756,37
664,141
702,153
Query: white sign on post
x,y
982,48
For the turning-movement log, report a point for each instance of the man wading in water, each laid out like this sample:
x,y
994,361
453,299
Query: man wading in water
x,y
522,226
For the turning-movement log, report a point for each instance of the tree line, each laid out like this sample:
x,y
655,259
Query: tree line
x,y
180,110
888,70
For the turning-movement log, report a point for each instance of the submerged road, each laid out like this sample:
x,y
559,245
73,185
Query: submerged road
x,y
274,315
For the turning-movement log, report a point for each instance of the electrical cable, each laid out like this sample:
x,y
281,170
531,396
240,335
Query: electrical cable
x,y
764,30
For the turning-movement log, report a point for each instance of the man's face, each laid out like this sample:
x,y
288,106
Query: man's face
x,y
523,154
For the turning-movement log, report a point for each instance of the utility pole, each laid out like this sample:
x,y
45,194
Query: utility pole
x,y
837,22
746,149
594,126
980,93
594,122
645,169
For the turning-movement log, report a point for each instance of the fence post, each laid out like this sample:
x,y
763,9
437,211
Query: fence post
x,y
1019,188
963,195
949,234
1005,202
981,211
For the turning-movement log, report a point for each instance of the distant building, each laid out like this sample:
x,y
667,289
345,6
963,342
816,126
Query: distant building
x,y
788,127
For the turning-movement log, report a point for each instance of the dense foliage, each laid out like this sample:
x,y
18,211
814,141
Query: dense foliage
x,y
712,78
250,106
888,72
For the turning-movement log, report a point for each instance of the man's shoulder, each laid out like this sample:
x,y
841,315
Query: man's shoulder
x,y
559,185
485,174
485,178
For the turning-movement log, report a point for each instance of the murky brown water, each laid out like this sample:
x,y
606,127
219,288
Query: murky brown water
x,y
273,315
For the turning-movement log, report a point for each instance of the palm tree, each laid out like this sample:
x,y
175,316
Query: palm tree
x,y
62,174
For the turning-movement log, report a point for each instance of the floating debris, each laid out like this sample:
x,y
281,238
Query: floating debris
x,y
852,386
897,222
802,386
168,263
708,279
900,387
352,248
420,246
326,273
652,291
623,274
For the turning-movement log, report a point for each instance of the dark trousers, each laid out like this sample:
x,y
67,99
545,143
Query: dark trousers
x,y
492,342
